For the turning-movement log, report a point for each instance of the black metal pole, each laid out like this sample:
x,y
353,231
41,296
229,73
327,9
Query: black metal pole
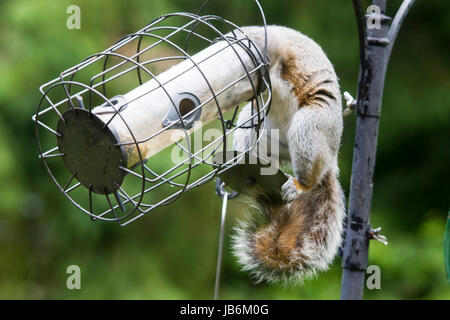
x,y
375,48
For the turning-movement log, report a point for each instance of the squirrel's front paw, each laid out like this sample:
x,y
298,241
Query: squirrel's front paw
x,y
290,189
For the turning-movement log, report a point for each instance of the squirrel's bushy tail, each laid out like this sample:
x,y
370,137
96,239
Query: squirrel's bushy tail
x,y
289,242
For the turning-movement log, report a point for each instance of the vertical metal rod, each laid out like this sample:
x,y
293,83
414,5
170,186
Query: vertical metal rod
x,y
90,204
119,201
220,251
374,56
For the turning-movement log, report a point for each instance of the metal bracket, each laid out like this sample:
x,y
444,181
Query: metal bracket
x,y
183,110
220,190
378,41
350,104
376,235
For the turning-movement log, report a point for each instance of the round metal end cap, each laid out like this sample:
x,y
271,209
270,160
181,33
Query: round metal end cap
x,y
90,151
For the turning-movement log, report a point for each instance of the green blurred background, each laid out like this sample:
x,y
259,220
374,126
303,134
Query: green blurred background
x,y
171,253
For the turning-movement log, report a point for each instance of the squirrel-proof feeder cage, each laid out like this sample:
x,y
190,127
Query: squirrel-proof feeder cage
x,y
109,128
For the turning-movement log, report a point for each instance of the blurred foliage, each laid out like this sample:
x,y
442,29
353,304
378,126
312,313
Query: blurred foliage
x,y
171,253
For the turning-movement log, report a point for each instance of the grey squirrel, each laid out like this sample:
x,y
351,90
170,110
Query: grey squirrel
x,y
295,239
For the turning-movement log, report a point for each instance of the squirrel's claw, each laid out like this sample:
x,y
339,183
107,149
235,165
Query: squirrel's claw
x,y
289,189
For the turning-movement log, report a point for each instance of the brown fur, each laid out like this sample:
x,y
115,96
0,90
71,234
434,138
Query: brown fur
x,y
314,176
278,245
290,73
310,89
274,247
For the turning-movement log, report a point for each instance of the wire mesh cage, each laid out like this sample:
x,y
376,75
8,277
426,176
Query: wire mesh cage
x,y
118,132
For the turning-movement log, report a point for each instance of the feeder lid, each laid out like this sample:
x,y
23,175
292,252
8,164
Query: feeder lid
x,y
90,151
246,175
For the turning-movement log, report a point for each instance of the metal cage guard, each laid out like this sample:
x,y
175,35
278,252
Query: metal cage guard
x,y
107,131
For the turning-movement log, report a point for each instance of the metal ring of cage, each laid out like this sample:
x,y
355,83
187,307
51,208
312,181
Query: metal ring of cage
x,y
64,111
